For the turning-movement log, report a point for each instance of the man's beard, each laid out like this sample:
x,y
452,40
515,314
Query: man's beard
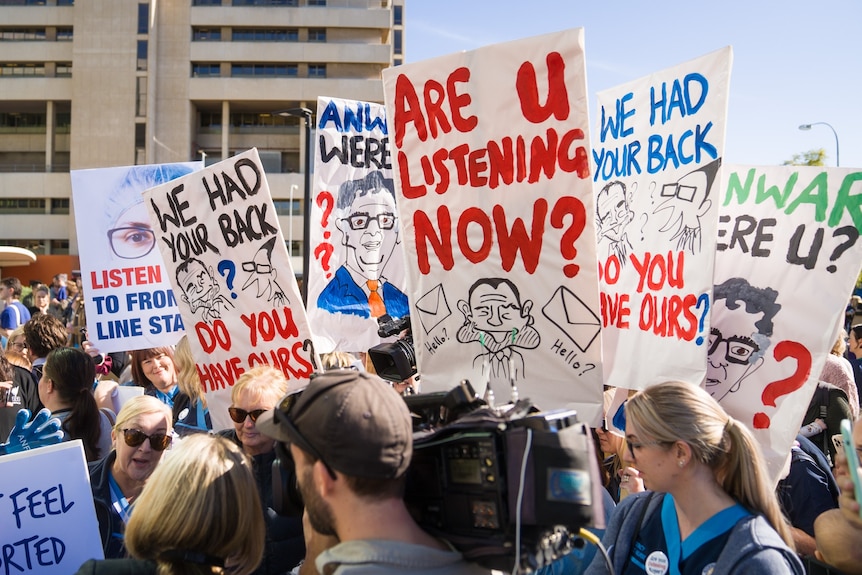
x,y
319,511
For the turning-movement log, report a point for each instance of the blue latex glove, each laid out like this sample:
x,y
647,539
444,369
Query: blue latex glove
x,y
42,431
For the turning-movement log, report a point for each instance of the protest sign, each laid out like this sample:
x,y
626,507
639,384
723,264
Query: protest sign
x,y
491,159
127,294
355,237
787,261
657,164
224,251
48,521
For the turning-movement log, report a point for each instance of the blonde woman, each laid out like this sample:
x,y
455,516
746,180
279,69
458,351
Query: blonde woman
x,y
199,514
140,436
191,414
255,392
711,508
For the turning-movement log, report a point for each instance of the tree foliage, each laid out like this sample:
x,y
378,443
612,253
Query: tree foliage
x,y
810,158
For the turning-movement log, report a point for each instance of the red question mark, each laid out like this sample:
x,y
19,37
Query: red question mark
x,y
324,250
569,206
776,389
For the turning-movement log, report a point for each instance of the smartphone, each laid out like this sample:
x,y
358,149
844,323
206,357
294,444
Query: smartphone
x,y
852,460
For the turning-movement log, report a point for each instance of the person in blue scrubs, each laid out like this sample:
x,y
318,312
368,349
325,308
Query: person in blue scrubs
x,y
710,508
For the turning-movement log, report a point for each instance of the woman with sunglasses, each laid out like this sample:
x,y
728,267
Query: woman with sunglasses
x,y
140,436
255,392
711,508
154,370
66,389
198,515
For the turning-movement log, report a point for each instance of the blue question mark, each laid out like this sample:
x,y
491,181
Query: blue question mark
x,y
705,299
227,266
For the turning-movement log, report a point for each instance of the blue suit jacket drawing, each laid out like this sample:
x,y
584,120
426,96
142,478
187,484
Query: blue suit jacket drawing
x,y
343,295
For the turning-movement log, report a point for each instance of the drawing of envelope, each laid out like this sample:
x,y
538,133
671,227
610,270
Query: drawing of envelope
x,y
432,308
574,318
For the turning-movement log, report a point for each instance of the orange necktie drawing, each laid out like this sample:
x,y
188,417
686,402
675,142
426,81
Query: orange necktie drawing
x,y
375,301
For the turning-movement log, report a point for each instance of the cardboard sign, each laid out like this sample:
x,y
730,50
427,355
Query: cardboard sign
x,y
224,251
657,178
788,258
491,156
48,521
355,236
129,301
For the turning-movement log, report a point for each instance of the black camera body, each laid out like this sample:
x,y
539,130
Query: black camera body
x,y
488,482
394,361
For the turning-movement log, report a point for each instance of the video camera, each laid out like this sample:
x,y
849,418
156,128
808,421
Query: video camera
x,y
395,361
506,486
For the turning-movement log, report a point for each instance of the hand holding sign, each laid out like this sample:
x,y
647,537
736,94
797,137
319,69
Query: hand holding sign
x,y
43,430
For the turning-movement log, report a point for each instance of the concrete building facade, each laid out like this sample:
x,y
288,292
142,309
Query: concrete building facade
x,y
100,83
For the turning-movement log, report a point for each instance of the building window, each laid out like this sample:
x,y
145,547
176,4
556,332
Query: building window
x,y
60,247
142,55
317,2
63,121
206,3
397,43
206,34
275,70
60,205
64,34
28,69
25,121
141,96
294,247
265,35
397,61
317,34
22,34
206,70
287,207
35,246
317,70
143,18
63,70
65,2
398,15
21,206
265,2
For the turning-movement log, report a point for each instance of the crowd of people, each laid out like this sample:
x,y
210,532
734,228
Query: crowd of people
x,y
686,487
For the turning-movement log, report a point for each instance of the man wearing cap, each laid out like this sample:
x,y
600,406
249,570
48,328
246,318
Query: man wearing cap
x,y
351,438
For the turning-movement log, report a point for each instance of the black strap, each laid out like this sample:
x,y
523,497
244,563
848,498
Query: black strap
x,y
647,500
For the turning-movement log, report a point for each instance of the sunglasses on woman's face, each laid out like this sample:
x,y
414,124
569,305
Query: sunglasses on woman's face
x,y
239,415
136,437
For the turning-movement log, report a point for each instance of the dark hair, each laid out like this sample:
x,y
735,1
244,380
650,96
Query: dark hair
x,y
44,333
756,300
495,283
14,284
138,357
72,373
373,183
7,371
856,330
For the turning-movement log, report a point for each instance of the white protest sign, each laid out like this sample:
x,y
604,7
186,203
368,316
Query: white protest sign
x,y
658,158
355,237
788,258
48,521
126,290
224,251
491,156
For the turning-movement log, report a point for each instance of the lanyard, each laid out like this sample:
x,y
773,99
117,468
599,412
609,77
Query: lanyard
x,y
119,501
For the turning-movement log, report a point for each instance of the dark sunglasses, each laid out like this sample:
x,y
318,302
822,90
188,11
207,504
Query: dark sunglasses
x,y
282,416
136,437
239,415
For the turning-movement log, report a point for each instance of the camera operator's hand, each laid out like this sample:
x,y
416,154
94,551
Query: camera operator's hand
x,y
315,544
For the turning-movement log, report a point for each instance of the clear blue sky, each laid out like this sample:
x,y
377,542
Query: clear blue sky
x,y
793,62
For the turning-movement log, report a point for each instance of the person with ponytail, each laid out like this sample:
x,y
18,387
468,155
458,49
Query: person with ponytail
x,y
710,507
66,388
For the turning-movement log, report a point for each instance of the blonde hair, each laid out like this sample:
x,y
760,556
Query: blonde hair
x,y
840,345
260,382
676,411
18,331
188,379
201,500
142,405
337,359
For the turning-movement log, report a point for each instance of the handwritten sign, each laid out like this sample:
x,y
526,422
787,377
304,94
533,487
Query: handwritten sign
x,y
788,258
656,180
355,236
129,301
227,262
492,161
48,521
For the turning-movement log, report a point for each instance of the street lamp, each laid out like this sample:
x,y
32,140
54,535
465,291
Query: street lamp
x,y
306,114
837,154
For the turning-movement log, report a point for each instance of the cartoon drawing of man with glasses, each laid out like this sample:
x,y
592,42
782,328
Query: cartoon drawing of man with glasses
x,y
201,290
262,274
740,337
369,228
